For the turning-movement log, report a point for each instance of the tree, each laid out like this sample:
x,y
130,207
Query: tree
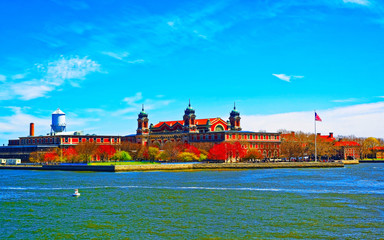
x,y
369,145
172,149
235,151
187,157
105,152
70,154
51,156
191,149
121,156
218,152
132,148
36,157
86,150
152,153
253,154
163,156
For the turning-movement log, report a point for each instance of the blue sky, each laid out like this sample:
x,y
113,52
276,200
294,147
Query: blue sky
x,y
278,60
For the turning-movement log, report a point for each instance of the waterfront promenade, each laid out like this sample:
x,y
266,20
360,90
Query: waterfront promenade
x,y
177,167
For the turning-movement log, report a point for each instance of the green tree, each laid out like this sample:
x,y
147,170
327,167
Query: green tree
x,y
187,157
152,153
121,156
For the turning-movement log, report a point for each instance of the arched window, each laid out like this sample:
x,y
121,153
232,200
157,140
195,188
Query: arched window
x,y
219,128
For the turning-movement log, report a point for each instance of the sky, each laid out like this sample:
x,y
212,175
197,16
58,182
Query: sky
x,y
99,61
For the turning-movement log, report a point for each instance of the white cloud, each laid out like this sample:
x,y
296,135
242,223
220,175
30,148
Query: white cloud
x,y
345,100
17,124
171,24
18,76
119,56
362,120
2,78
360,2
58,71
31,89
132,100
52,75
285,77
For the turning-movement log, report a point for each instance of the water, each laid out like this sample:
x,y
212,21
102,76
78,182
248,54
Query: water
x,y
332,203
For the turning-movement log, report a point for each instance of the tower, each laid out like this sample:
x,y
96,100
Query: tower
x,y
234,119
58,121
142,123
142,132
189,119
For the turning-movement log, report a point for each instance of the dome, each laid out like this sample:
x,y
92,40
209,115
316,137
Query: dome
x,y
189,109
234,112
143,114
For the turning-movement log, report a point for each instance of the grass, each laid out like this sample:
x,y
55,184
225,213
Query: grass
x,y
120,163
372,159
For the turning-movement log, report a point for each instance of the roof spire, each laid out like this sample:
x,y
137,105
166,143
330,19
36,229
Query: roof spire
x,y
189,105
234,105
142,108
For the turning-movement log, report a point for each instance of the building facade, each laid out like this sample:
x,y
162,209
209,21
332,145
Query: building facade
x,y
212,130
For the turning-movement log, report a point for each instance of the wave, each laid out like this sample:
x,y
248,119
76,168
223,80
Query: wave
x,y
287,190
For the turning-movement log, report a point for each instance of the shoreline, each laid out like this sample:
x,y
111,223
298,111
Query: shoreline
x,y
177,167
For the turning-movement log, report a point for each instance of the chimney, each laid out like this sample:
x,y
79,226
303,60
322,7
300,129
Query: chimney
x,y
331,135
318,134
32,129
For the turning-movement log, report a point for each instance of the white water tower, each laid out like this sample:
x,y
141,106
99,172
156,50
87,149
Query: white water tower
x,y
58,121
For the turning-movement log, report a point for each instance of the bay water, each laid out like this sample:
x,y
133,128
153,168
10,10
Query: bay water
x,y
318,203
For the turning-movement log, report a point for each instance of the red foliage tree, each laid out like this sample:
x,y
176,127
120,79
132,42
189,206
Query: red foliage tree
x,y
70,154
236,151
218,152
224,151
51,156
105,151
191,149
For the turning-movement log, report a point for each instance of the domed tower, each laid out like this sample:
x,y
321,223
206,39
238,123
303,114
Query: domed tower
x,y
142,123
58,121
189,119
234,119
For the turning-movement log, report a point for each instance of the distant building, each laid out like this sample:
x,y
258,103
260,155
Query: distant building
x,y
213,130
22,148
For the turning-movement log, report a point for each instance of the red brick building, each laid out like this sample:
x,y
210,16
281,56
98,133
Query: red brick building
x,y
214,130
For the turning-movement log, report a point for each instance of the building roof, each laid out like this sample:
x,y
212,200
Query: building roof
x,y
346,143
58,111
203,121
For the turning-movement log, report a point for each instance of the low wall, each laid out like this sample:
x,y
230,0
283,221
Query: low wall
x,y
176,167
346,162
157,167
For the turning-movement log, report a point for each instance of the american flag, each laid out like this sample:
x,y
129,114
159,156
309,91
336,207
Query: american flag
x,y
317,118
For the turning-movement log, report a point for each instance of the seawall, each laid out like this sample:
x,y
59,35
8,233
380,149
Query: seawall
x,y
178,167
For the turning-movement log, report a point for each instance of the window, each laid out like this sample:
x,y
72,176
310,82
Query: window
x,y
219,128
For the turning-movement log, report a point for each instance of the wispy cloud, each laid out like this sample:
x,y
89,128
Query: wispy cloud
x,y
345,100
135,102
285,77
3,78
18,76
57,72
49,77
119,56
359,2
362,120
31,89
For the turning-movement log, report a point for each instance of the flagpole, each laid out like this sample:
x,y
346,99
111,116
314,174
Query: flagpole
x,y
315,140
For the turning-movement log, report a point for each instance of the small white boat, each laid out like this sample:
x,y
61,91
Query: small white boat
x,y
76,193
